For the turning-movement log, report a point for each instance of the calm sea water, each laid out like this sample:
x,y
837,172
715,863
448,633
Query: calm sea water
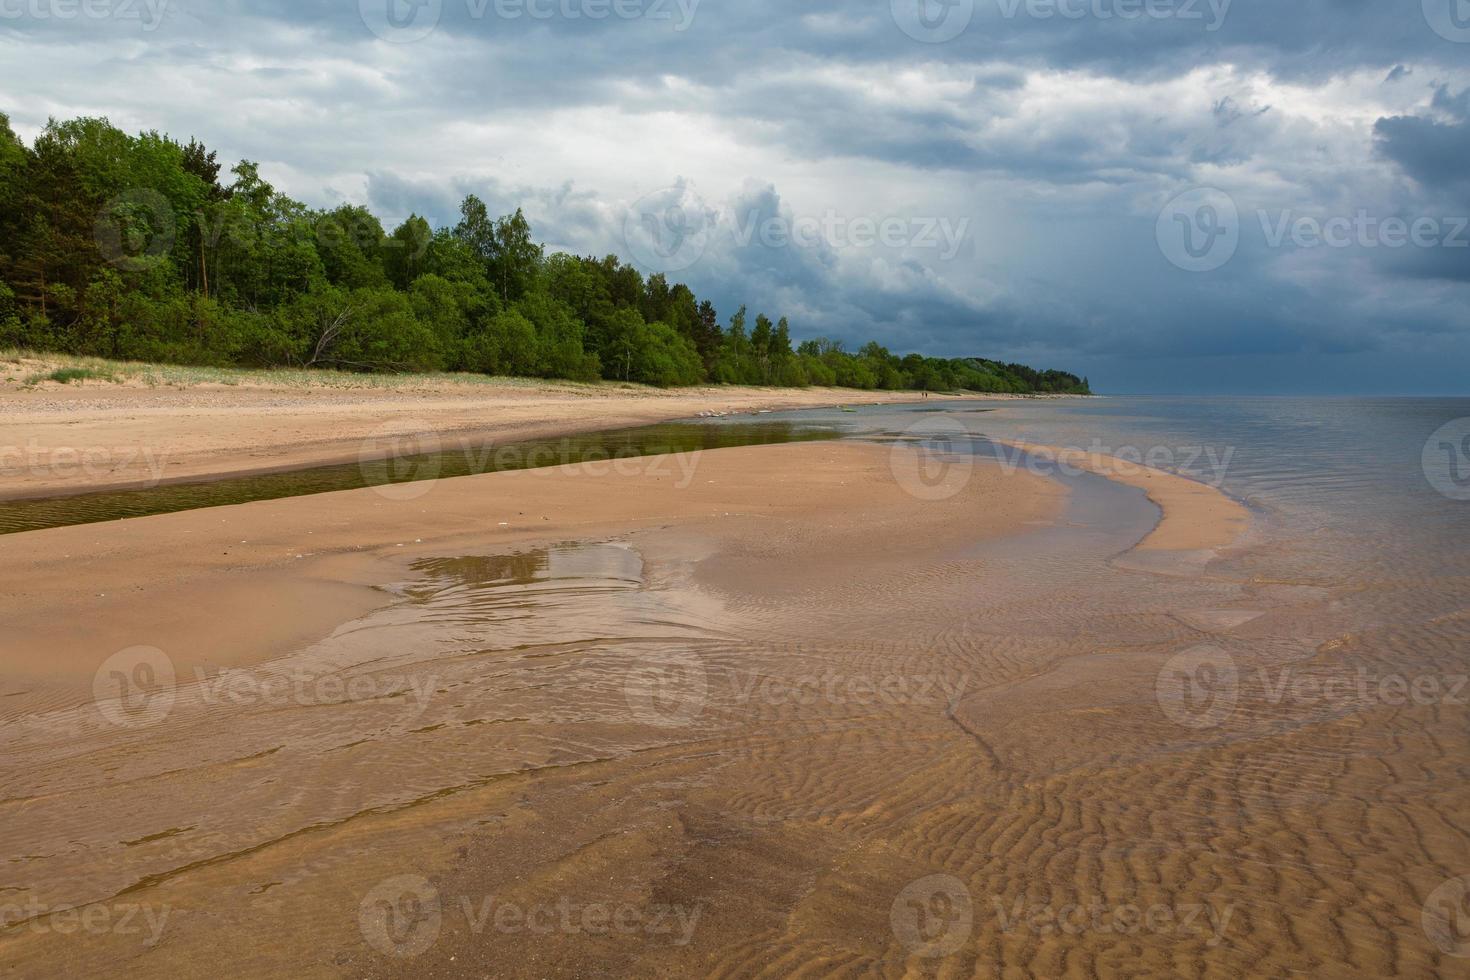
x,y
1345,477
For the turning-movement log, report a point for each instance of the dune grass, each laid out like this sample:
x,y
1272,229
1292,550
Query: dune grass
x,y
70,375
37,367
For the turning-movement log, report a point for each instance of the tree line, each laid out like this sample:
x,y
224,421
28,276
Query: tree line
x,y
139,248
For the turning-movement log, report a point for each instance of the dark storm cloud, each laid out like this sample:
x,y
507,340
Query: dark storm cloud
x,y
714,39
1434,151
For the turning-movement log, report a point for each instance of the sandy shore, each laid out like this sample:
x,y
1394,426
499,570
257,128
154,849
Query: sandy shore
x,y
62,439
303,586
297,567
758,710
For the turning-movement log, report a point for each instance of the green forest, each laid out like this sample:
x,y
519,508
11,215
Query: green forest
x,y
140,248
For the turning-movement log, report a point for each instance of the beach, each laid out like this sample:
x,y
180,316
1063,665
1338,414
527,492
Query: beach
x,y
843,707
62,439
545,491
756,523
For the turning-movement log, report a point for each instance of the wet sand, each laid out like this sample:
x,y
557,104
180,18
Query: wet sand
x,y
296,568
774,711
111,808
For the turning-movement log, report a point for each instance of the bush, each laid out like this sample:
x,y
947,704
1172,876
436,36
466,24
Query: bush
x,y
666,358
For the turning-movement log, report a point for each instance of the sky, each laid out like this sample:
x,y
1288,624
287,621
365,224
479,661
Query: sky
x,y
1166,196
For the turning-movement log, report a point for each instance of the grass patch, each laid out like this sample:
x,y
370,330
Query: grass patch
x,y
71,375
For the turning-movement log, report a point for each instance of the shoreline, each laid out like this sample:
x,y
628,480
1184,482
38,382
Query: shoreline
x,y
305,559
64,441
1194,516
